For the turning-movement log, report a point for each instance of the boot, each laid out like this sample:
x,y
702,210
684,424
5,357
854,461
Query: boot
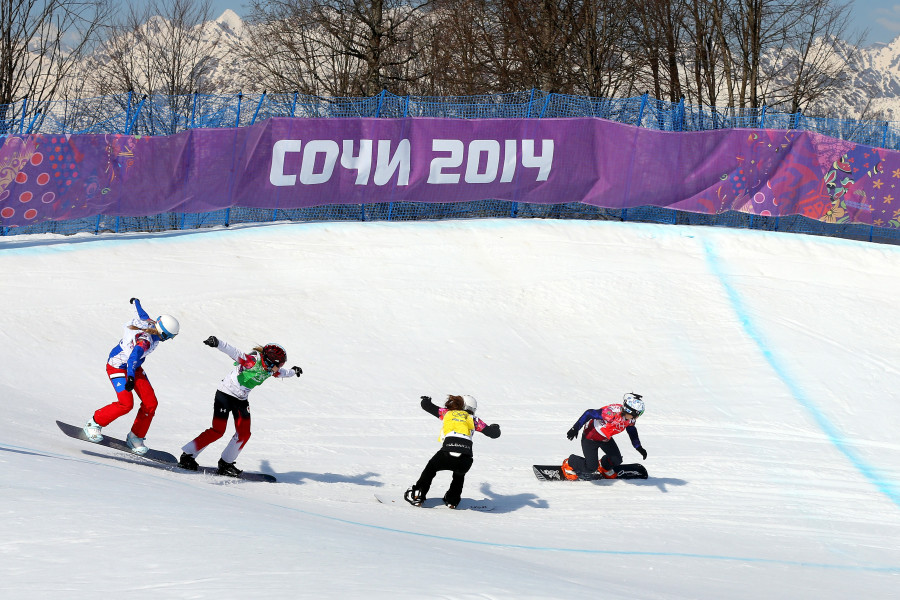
x,y
92,431
449,504
414,496
136,444
228,469
187,461
568,472
606,473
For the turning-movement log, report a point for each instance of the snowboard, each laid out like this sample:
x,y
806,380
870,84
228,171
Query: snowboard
x,y
482,505
246,475
116,444
555,473
155,455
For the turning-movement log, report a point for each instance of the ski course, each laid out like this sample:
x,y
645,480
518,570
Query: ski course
x,y
763,358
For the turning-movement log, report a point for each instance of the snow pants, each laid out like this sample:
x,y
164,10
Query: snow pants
x,y
223,405
446,461
125,401
611,459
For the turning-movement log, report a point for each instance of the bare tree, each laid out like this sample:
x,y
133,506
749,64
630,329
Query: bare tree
x,y
339,47
817,63
657,37
542,35
470,50
157,49
41,42
600,66
284,51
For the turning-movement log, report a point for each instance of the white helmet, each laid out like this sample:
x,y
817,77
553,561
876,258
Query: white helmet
x,y
167,327
471,404
633,405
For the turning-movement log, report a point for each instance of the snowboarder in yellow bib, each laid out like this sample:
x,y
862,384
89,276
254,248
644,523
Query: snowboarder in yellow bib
x,y
459,424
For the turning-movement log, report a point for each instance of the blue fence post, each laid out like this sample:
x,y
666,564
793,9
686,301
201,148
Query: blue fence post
x,y
194,111
762,118
227,217
237,119
37,114
137,113
258,106
406,107
546,103
24,107
530,102
378,104
680,114
294,104
97,225
128,111
884,135
640,118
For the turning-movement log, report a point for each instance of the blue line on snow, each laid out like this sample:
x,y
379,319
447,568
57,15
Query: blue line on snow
x,y
831,431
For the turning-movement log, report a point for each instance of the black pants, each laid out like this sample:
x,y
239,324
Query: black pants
x,y
591,450
444,461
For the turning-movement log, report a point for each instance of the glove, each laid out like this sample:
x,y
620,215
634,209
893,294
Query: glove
x,y
426,398
572,434
212,341
643,452
129,383
132,301
297,370
492,431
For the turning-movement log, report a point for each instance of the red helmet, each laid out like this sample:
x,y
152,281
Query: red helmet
x,y
273,356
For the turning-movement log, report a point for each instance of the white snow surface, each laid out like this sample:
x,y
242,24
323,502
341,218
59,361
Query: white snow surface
x,y
768,363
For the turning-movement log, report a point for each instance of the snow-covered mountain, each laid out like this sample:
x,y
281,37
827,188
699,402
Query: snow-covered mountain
x,y
874,87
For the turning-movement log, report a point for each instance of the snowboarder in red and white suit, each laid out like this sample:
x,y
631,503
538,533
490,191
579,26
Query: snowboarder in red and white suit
x,y
599,427
232,397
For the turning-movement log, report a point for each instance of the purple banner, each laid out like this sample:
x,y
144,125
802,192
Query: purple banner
x,y
292,163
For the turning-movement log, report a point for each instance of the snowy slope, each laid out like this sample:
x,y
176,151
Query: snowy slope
x,y
767,362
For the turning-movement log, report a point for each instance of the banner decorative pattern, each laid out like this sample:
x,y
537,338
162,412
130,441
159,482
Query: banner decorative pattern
x,y
285,163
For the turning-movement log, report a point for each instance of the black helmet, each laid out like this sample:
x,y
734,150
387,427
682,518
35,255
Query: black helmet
x,y
273,356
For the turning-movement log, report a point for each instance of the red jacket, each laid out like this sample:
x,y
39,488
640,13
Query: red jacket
x,y
601,424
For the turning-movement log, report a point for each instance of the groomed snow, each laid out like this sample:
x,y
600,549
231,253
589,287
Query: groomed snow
x,y
768,363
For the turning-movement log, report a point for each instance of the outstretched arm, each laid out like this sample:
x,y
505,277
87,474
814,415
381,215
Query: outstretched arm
x,y
636,441
141,313
223,346
430,407
282,372
492,431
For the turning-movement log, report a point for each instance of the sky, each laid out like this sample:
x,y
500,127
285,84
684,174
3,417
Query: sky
x,y
767,362
880,17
